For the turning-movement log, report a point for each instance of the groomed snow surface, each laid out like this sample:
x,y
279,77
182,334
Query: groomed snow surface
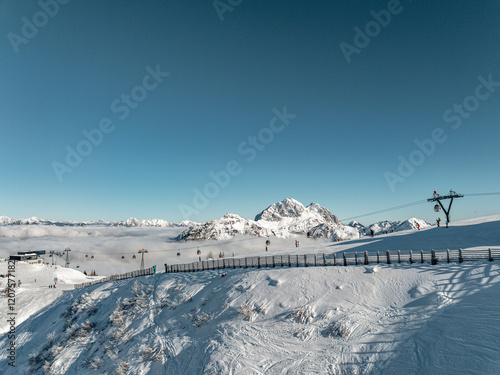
x,y
390,319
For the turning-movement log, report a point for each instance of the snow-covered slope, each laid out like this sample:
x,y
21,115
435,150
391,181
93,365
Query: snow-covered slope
x,y
34,292
333,320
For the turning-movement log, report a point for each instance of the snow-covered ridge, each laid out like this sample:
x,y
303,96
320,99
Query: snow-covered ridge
x,y
387,226
224,228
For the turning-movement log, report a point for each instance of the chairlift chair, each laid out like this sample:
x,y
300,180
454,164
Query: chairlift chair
x,y
437,208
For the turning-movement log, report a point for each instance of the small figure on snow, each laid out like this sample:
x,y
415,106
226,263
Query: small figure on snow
x,y
438,222
418,226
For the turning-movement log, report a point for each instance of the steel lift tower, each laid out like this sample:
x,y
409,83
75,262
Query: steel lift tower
x,y
438,198
142,251
67,257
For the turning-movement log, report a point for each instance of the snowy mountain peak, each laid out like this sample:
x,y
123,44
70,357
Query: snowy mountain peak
x,y
277,211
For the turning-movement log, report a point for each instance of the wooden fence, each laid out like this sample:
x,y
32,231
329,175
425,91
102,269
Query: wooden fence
x,y
338,259
128,275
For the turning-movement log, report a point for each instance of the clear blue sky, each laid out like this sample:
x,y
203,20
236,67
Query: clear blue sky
x,y
353,119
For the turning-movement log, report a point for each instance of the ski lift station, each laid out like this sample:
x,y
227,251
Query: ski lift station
x,y
28,257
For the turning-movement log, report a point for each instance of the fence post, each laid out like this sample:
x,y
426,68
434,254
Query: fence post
x,y
388,253
411,257
315,260
366,257
166,268
297,260
246,262
305,261
460,256
289,261
378,257
448,255
258,262
345,260
422,256
334,259
356,258
324,259
490,256
433,257
399,256
274,263
281,260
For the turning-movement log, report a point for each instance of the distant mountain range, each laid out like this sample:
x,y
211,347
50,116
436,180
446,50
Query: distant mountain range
x,y
132,222
281,219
